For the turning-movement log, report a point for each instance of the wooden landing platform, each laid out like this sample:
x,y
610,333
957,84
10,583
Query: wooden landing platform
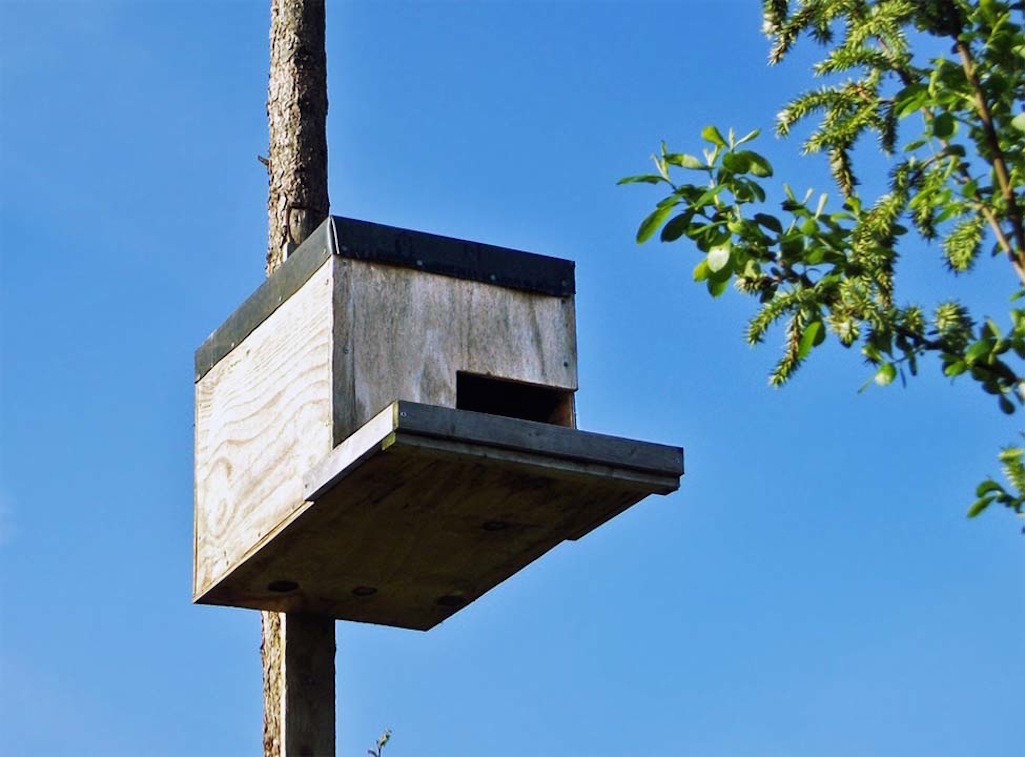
x,y
424,509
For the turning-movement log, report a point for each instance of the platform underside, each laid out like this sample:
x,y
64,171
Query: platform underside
x,y
425,509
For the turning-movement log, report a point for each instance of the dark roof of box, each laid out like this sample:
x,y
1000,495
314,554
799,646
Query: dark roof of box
x,y
374,242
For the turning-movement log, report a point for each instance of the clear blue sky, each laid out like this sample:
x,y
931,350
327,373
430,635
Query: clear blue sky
x,y
814,587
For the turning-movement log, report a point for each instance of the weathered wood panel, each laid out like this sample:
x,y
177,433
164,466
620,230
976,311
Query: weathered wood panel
x,y
413,331
308,694
343,389
263,419
519,336
530,436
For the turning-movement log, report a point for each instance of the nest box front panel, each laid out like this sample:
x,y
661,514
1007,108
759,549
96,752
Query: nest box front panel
x,y
414,332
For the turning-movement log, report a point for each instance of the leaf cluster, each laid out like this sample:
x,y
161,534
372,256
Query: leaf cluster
x,y
1012,460
956,133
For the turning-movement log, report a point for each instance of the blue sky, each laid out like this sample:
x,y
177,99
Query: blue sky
x,y
813,588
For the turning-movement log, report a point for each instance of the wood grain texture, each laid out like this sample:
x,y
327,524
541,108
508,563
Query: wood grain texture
x,y
263,419
413,331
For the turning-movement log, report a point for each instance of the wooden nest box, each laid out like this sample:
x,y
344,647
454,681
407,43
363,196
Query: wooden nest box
x,y
385,430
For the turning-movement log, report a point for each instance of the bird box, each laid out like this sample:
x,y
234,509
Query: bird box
x,y
386,429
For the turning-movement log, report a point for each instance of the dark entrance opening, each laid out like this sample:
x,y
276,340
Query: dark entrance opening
x,y
530,402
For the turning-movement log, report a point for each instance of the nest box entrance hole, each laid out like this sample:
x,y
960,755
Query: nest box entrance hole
x,y
513,399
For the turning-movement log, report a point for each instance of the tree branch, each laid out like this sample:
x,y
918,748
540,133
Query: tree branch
x,y
1017,254
1017,257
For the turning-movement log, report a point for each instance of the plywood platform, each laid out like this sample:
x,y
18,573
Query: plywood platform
x,y
426,508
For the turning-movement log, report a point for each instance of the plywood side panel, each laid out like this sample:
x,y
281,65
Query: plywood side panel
x,y
413,331
263,419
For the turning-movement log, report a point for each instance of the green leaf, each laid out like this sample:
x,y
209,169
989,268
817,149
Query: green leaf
x,y
978,350
1018,122
943,125
662,167
645,179
987,486
738,162
684,160
990,328
708,196
812,336
677,226
652,222
886,374
770,222
979,505
701,271
711,134
955,369
716,288
1006,406
760,167
749,136
910,99
718,258
809,228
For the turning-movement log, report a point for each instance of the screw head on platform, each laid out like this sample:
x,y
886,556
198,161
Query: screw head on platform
x,y
452,601
282,586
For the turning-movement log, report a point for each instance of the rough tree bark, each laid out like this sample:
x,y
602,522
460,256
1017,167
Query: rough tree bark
x,y
298,685
298,651
297,115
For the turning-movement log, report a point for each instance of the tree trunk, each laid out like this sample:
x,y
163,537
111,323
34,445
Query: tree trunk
x,y
297,113
298,651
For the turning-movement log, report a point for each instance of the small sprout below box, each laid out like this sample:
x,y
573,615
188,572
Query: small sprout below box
x,y
381,741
